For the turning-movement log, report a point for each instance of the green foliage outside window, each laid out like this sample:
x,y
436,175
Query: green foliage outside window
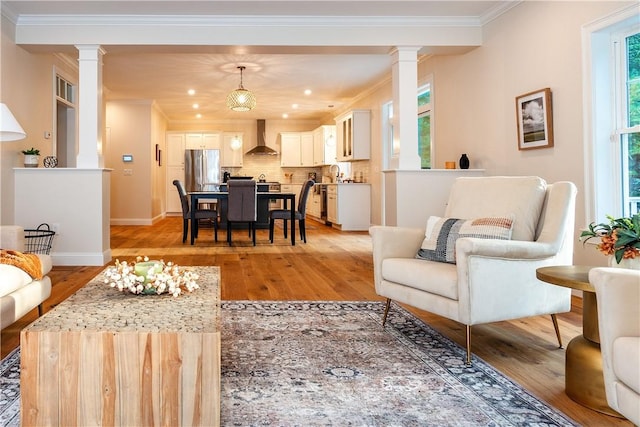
x,y
633,98
424,98
424,141
424,132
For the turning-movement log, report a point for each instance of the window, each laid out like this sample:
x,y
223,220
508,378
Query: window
x,y
613,116
65,91
424,126
425,132
630,127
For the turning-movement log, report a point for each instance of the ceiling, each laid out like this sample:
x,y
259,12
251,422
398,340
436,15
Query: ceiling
x,y
278,74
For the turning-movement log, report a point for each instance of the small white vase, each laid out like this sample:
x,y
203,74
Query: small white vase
x,y
31,160
630,263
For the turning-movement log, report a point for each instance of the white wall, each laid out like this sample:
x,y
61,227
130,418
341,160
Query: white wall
x,y
128,126
533,46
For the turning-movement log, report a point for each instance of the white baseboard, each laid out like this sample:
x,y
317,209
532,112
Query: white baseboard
x,y
84,258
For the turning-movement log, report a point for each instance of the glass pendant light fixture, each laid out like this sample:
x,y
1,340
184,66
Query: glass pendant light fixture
x,y
241,99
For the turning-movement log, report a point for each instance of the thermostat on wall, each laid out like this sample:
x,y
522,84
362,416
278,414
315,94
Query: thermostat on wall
x,y
127,158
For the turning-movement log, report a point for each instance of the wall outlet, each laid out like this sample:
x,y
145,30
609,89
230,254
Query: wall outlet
x,y
55,227
128,172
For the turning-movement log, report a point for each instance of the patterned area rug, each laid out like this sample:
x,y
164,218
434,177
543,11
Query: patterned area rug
x,y
331,363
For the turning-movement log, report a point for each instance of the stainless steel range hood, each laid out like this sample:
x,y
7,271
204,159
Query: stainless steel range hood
x,y
262,149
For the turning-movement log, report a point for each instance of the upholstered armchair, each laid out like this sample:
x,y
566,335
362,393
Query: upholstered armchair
x,y
484,270
618,297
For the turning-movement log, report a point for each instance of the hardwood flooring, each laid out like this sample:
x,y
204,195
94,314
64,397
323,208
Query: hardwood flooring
x,y
335,265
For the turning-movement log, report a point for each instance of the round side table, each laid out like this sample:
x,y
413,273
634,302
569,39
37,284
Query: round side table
x,y
584,382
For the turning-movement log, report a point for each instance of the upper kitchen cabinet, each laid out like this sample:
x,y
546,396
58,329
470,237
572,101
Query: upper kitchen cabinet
x,y
232,150
296,149
175,149
324,145
202,141
354,135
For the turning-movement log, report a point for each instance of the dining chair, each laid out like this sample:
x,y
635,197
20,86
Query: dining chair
x,y
300,214
242,206
211,214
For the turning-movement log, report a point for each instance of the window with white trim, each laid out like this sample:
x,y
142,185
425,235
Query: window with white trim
x,y
425,132
614,120
424,126
629,129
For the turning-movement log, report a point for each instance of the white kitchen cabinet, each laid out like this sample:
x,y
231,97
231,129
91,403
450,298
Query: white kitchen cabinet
x,y
290,149
314,205
306,149
296,149
232,155
175,149
202,141
324,145
175,170
354,135
174,205
349,206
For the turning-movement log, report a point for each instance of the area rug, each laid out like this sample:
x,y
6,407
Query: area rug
x,y
332,364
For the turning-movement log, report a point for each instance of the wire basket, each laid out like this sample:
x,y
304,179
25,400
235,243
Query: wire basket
x,y
38,241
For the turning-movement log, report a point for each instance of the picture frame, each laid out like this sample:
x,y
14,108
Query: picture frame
x,y
534,115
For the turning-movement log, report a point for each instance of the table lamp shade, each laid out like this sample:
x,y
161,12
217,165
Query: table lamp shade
x,y
10,129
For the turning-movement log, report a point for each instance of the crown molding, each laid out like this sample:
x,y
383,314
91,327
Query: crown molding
x,y
244,20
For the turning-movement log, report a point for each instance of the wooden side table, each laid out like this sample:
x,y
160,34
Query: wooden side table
x,y
584,382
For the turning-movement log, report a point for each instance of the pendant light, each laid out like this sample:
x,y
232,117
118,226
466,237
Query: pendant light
x,y
241,99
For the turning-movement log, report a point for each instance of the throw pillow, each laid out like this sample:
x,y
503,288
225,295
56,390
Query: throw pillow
x,y
440,237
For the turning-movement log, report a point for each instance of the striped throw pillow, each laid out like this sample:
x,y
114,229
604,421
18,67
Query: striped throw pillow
x,y
440,237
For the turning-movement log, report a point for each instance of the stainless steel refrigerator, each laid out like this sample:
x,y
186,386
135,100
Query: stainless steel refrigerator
x,y
201,170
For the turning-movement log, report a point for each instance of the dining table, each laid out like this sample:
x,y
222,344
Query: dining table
x,y
287,197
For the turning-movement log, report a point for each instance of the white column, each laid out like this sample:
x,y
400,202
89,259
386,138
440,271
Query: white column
x,y
90,111
404,76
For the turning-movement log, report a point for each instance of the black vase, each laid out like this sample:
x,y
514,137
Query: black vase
x,y
464,162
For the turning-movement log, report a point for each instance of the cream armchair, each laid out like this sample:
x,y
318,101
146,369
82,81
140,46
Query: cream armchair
x,y
491,280
19,293
618,296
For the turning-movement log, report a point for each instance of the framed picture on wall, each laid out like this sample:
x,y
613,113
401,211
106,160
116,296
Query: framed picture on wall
x,y
535,120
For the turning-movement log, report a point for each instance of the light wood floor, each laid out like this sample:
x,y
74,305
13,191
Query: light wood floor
x,y
335,266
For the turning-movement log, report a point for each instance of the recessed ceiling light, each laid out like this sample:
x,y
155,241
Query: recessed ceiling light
x,y
307,92
285,116
294,106
191,92
198,116
196,106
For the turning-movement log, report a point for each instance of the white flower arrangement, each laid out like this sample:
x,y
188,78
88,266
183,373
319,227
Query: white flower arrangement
x,y
150,277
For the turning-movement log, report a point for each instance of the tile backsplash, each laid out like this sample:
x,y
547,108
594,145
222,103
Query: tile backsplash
x,y
270,166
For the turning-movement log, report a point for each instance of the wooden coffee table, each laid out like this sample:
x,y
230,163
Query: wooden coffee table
x,y
105,357
584,381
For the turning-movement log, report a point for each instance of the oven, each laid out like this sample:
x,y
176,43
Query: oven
x,y
274,187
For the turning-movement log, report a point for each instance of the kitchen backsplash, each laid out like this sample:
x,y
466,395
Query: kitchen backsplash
x,y
270,166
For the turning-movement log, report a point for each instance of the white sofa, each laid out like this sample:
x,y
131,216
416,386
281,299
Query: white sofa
x,y
492,280
19,293
618,296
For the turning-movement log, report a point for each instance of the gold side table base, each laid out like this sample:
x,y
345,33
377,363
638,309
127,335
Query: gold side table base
x,y
584,381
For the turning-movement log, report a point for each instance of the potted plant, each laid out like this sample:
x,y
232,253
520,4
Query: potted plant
x,y
619,238
31,157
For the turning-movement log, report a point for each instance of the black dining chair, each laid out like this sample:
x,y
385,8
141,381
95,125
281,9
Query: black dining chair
x,y
211,214
300,213
242,206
